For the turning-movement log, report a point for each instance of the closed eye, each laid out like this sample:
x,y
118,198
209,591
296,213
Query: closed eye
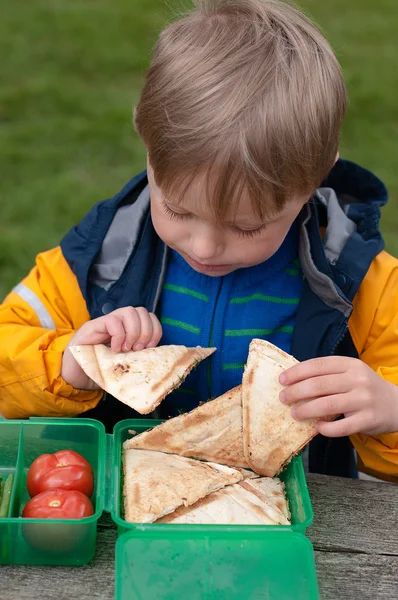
x,y
174,215
248,233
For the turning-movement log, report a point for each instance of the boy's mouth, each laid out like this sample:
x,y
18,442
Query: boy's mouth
x,y
206,268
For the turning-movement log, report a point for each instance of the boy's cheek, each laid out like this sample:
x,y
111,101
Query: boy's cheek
x,y
167,230
255,253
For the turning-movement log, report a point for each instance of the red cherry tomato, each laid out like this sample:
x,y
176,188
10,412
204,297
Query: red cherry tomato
x,y
58,504
65,470
60,538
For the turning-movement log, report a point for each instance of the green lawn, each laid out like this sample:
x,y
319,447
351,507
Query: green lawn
x,y
70,72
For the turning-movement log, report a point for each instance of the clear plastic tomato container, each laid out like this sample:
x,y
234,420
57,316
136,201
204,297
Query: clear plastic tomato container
x,y
49,541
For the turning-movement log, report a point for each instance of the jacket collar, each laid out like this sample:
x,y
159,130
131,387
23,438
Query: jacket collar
x,y
348,206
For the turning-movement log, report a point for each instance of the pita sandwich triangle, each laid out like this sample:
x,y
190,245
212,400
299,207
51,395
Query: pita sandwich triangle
x,y
156,484
211,432
254,502
139,379
271,437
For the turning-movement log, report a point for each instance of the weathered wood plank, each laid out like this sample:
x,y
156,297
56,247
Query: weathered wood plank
x,y
354,515
93,582
357,576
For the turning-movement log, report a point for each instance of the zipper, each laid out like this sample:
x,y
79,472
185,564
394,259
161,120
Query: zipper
x,y
209,372
339,339
208,375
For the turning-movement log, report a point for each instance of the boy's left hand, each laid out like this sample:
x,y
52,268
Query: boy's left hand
x,y
337,385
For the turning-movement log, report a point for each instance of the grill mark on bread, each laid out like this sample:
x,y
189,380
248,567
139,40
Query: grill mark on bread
x,y
249,375
121,368
136,494
260,512
159,438
275,459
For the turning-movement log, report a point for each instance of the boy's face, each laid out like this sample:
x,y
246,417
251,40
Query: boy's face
x,y
243,240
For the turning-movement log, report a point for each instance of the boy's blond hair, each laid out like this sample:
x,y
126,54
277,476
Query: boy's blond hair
x,y
247,93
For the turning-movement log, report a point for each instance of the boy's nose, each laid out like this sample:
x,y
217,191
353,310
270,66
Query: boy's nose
x,y
205,248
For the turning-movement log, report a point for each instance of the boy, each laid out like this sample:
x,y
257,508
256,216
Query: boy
x,y
229,235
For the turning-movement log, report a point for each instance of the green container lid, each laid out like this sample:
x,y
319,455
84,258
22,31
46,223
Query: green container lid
x,y
155,565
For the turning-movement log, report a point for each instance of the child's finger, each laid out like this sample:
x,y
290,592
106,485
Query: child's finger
x,y
146,329
327,406
340,428
315,367
156,331
315,387
132,327
116,332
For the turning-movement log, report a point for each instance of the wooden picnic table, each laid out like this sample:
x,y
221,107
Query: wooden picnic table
x,y
354,535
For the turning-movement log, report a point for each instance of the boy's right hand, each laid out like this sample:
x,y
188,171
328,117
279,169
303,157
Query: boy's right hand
x,y
123,330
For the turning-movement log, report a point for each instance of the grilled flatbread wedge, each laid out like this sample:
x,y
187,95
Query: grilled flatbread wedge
x,y
212,432
274,491
156,484
271,437
139,379
233,505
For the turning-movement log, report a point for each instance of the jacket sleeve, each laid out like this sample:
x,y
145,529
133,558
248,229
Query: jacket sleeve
x,y
375,333
37,320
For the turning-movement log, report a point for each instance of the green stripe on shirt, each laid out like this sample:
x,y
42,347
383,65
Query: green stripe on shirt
x,y
257,332
180,325
184,290
230,366
265,298
294,272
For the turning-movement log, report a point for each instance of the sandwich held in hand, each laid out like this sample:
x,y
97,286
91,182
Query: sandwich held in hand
x,y
271,437
156,484
139,379
213,432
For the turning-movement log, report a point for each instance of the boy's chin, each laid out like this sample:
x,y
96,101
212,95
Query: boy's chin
x,y
211,270
215,273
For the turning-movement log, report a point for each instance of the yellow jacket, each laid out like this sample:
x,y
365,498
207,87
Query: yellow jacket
x,y
38,319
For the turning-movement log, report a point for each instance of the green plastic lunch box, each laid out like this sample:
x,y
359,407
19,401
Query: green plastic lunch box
x,y
152,561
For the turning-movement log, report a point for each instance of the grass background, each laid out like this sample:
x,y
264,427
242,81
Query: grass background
x,y
70,72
